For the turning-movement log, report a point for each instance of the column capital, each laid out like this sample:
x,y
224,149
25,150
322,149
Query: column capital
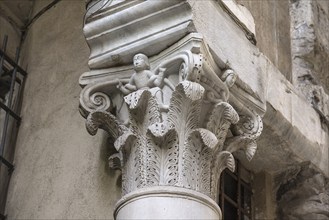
x,y
172,124
175,118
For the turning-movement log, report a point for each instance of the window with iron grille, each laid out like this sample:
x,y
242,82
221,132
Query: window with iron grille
x,y
12,78
235,195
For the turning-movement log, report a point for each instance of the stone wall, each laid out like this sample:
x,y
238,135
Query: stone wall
x,y
303,190
272,31
61,172
302,193
310,52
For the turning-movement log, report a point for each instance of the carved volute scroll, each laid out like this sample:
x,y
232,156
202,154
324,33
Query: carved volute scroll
x,y
171,119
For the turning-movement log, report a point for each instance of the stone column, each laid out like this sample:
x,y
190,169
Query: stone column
x,y
170,114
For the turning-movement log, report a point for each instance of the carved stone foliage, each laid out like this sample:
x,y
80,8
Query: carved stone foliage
x,y
177,151
179,128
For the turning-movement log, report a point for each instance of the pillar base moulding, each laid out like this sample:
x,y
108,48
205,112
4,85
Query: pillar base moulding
x,y
166,203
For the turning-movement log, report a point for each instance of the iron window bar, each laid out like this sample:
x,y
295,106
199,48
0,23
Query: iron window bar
x,y
13,63
12,70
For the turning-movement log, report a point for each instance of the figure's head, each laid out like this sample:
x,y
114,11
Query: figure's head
x,y
141,62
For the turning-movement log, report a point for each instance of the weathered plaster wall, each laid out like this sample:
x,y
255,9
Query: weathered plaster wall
x,y
14,36
61,172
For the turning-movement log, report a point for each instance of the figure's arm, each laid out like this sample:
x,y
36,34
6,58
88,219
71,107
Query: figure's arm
x,y
128,88
131,87
159,79
169,84
150,81
124,90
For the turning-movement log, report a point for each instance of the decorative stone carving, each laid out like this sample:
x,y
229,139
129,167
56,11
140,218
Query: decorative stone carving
x,y
143,79
172,152
172,124
175,117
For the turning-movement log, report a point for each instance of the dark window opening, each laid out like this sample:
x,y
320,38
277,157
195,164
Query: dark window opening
x,y
235,196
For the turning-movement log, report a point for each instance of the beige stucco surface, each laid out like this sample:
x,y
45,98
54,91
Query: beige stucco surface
x,y
61,172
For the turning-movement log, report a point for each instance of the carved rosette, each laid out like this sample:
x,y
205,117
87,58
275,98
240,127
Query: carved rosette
x,y
188,145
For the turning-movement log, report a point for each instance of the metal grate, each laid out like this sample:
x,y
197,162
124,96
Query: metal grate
x,y
12,78
234,196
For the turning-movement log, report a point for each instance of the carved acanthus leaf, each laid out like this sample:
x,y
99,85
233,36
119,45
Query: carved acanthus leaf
x,y
105,121
208,138
134,99
251,150
185,106
189,175
159,129
165,157
193,91
125,139
223,160
220,119
143,112
115,161
234,144
205,166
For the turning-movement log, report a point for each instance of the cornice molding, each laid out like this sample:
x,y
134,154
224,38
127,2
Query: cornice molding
x,y
120,29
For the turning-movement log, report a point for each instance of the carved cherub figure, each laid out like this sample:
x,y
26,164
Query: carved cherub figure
x,y
144,78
